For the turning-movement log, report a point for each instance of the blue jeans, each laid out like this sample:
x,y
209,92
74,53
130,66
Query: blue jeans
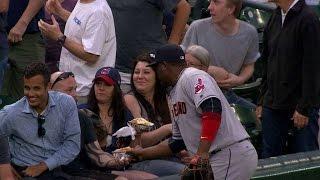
x,y
4,49
158,167
233,98
279,136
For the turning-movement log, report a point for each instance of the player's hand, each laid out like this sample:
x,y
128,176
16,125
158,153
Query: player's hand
x,y
198,159
53,7
232,81
36,170
50,31
299,120
16,33
184,156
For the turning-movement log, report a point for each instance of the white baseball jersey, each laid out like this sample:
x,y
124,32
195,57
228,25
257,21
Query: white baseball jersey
x,y
193,87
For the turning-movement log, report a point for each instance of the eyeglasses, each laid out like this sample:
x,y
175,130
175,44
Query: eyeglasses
x,y
41,129
62,76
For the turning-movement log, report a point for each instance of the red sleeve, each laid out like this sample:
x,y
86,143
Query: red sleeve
x,y
210,125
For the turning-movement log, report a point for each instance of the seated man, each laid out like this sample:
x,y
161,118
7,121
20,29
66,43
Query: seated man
x,y
90,154
43,127
232,44
5,168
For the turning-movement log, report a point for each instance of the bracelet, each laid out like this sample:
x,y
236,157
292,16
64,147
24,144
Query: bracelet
x,y
62,39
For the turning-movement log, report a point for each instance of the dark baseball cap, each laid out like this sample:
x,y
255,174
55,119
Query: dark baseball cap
x,y
109,75
167,53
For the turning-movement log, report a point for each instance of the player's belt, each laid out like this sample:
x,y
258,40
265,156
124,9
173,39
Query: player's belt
x,y
220,149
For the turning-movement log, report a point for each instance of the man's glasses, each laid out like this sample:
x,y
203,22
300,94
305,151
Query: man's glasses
x,y
62,76
41,129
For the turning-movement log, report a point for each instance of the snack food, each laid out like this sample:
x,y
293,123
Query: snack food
x,y
122,150
141,125
141,121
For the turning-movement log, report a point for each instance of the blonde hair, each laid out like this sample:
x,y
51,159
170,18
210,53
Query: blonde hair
x,y
200,53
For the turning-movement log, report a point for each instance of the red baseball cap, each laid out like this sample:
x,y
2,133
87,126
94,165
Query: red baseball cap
x,y
109,75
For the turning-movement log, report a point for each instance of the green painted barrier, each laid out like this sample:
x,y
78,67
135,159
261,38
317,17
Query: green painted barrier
x,y
297,166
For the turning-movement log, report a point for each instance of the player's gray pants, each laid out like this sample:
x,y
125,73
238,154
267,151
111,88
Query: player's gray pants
x,y
236,162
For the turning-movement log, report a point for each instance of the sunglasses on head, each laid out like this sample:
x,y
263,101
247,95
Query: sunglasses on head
x,y
62,76
41,129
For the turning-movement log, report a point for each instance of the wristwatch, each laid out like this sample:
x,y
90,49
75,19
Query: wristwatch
x,y
61,39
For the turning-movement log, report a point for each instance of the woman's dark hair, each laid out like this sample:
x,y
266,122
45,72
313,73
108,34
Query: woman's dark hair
x,y
159,97
116,109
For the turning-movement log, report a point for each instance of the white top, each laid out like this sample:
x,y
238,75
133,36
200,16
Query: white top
x,y
193,87
92,25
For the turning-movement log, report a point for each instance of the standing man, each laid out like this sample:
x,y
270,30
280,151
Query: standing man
x,y
43,127
52,47
202,120
139,29
232,44
5,168
4,48
292,79
26,43
89,40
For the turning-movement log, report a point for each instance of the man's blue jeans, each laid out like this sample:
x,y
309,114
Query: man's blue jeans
x,y
279,136
159,167
233,98
4,49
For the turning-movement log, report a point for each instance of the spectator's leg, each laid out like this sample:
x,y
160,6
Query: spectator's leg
x,y
159,167
233,98
3,56
275,125
30,50
306,139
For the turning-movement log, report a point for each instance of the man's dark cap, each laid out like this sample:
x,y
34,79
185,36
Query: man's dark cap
x,y
167,53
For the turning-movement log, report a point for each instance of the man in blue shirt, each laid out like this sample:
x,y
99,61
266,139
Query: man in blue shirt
x,y
43,126
5,168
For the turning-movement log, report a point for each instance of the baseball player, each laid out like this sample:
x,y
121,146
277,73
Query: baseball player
x,y
203,121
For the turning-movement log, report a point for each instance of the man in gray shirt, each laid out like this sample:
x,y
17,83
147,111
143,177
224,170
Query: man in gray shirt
x,y
5,168
232,45
43,127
